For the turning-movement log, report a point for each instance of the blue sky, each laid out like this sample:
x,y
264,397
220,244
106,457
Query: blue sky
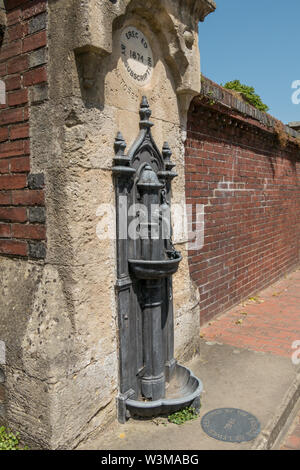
x,y
257,42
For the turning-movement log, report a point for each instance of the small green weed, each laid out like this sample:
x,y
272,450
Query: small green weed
x,y
182,416
249,94
9,441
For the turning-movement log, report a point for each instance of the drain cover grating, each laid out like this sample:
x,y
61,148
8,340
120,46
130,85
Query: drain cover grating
x,y
230,425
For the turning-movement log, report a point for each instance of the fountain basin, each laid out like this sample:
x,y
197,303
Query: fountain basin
x,y
145,269
183,390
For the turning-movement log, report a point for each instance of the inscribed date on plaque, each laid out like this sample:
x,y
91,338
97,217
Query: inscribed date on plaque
x,y
137,55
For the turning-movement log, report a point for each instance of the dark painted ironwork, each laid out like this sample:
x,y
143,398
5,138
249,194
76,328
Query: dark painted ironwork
x,y
230,425
145,264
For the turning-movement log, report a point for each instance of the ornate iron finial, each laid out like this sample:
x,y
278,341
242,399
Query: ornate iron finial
x,y
121,161
145,113
166,151
120,144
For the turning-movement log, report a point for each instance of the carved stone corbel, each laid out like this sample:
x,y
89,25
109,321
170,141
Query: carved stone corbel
x,y
174,21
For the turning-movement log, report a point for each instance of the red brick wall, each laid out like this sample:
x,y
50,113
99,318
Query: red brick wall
x,y
250,188
23,69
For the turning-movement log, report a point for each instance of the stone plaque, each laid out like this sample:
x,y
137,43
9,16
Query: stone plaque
x,y
231,425
137,55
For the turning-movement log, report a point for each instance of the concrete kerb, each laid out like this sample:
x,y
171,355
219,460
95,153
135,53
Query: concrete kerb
x,y
269,435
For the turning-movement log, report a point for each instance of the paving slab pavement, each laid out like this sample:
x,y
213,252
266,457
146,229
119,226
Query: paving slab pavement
x,y
245,365
269,321
232,377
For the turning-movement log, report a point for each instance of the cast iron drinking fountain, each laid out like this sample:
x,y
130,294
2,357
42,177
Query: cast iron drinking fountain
x,y
151,381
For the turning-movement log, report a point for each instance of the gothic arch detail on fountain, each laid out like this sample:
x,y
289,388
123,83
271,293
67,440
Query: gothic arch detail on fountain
x,y
151,381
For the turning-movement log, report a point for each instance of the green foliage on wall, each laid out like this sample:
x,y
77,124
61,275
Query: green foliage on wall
x,y
248,93
8,440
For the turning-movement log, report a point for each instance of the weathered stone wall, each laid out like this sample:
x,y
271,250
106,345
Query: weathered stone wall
x,y
250,189
60,331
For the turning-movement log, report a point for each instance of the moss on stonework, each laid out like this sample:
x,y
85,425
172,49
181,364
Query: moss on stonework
x,y
9,441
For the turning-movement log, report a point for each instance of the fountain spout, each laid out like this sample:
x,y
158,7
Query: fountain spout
x,y
151,381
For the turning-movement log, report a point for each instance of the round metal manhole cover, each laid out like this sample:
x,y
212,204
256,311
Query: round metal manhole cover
x,y
230,425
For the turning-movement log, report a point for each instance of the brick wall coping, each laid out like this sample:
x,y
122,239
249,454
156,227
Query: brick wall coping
x,y
223,97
